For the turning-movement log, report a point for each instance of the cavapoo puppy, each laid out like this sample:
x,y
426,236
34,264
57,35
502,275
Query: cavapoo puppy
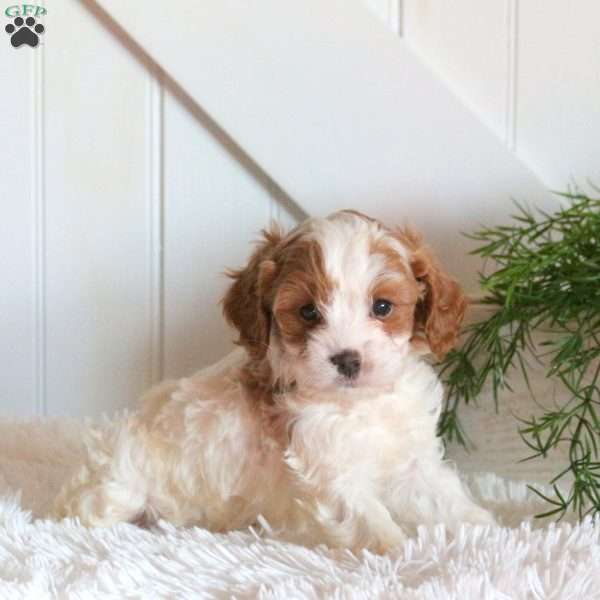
x,y
322,423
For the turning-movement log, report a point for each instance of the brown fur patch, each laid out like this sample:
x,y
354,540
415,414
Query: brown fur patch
x,y
244,304
440,312
257,381
281,276
302,280
403,293
398,286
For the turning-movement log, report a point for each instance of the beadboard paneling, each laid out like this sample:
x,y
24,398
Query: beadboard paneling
x,y
122,206
214,209
96,296
529,69
21,211
389,11
338,111
122,202
466,44
558,121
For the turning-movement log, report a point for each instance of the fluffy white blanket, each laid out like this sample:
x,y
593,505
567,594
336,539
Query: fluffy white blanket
x,y
41,559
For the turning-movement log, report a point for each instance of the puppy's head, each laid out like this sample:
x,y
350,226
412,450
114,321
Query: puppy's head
x,y
341,301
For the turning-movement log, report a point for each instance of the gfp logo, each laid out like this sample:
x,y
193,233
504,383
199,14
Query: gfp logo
x,y
24,29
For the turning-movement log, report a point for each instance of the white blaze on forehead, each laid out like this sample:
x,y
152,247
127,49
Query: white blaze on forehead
x,y
346,242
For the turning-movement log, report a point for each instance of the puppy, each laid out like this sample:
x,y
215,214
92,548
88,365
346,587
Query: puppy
x,y
322,423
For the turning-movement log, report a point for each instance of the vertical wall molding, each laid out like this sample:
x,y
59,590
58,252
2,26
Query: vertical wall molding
x,y
395,15
38,200
155,213
512,63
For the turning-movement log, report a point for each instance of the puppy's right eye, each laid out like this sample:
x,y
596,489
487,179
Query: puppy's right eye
x,y
309,313
382,308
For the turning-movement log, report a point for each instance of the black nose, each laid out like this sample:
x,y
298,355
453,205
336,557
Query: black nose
x,y
347,363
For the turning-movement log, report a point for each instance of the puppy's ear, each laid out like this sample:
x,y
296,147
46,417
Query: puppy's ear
x,y
442,304
244,303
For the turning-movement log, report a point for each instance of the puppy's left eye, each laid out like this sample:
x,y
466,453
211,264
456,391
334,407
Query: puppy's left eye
x,y
381,308
309,313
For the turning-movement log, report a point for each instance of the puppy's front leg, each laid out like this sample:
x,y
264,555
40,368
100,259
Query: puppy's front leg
x,y
429,492
340,505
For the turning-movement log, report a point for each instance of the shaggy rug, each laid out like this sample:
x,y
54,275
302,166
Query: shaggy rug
x,y
39,559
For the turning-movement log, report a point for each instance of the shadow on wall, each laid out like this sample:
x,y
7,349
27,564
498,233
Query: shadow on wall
x,y
205,120
438,228
185,349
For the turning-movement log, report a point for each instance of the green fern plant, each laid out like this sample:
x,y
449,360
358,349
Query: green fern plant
x,y
546,281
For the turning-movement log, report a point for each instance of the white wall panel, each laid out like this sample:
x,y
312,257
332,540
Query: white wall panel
x,y
214,209
338,111
19,206
97,292
530,69
466,43
389,11
558,121
122,205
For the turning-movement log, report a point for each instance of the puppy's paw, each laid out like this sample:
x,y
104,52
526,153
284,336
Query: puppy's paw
x,y
391,540
384,547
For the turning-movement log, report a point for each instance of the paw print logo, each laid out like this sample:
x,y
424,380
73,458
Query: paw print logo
x,y
24,32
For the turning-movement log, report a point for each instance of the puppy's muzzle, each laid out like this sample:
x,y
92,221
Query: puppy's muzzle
x,y
347,363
